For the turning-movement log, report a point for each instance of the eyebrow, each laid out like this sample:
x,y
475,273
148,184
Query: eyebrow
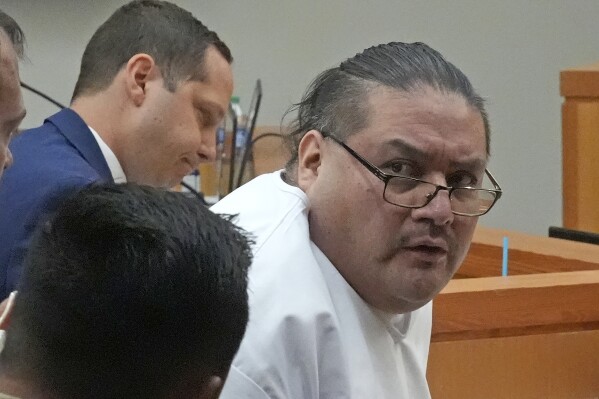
x,y
474,163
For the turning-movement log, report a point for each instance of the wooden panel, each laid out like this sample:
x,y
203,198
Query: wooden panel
x,y
580,140
580,145
527,254
580,81
522,336
548,366
570,175
518,305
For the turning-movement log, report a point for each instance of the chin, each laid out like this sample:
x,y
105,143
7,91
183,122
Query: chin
x,y
405,305
168,184
422,293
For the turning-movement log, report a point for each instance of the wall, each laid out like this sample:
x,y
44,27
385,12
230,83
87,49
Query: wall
x,y
512,51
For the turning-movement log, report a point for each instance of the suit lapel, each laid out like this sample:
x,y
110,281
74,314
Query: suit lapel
x,y
74,129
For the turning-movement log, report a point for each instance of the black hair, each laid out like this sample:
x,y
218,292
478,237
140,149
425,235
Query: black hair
x,y
336,102
171,35
127,292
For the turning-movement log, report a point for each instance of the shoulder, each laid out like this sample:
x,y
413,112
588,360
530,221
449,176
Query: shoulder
x,y
26,201
288,356
23,209
293,345
29,191
268,208
240,385
44,155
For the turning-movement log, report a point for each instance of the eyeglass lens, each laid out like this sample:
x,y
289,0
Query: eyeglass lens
x,y
412,193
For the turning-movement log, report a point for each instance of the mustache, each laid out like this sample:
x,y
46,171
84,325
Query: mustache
x,y
429,231
426,231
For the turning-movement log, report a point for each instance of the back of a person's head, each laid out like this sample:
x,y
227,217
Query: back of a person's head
x,y
129,292
172,36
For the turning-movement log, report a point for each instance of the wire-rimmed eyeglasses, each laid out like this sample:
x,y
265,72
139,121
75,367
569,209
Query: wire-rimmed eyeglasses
x,y
410,192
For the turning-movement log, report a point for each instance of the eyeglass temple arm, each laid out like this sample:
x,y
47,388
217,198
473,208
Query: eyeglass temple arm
x,y
494,182
376,171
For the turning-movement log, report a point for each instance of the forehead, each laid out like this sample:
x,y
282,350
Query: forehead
x,y
11,102
216,87
435,123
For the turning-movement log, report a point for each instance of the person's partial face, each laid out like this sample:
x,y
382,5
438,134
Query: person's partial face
x,y
177,130
397,259
12,110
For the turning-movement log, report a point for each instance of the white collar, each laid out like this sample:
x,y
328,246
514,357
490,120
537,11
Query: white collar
x,y
116,170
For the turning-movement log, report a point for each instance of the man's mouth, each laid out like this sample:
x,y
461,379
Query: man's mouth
x,y
428,249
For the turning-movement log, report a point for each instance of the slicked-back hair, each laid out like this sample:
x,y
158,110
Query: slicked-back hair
x,y
127,292
336,102
171,35
14,33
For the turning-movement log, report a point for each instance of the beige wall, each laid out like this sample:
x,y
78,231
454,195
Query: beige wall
x,y
512,51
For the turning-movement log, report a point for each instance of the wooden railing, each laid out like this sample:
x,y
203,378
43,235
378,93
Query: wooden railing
x,y
533,334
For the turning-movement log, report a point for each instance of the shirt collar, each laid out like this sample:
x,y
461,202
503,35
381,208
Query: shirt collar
x,y
116,170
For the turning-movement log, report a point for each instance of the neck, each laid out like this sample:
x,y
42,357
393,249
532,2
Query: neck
x,y
101,113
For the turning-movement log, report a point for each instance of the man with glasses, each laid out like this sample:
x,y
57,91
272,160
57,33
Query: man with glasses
x,y
370,219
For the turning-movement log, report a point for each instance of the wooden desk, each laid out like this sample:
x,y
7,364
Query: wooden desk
x,y
534,334
528,254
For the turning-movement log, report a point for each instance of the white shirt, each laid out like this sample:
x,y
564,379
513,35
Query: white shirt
x,y
310,335
118,175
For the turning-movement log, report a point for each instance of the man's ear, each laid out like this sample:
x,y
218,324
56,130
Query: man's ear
x,y
309,158
6,308
214,385
140,69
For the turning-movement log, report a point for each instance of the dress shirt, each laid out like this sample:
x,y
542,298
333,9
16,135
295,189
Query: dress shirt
x,y
118,175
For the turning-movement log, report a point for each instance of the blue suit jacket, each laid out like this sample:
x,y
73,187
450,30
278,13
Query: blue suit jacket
x,y
49,162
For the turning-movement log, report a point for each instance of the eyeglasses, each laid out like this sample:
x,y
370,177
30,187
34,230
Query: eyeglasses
x,y
410,192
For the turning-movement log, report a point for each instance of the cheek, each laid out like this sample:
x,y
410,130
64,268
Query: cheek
x,y
463,232
380,225
464,228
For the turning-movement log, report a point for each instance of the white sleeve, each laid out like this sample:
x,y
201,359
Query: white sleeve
x,y
239,385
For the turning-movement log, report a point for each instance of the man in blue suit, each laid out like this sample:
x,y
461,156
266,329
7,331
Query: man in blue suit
x,y
153,87
12,110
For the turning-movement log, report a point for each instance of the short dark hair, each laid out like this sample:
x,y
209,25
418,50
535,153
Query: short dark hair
x,y
14,33
171,35
336,101
128,292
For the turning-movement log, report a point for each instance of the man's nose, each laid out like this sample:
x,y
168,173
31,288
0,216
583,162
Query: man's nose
x,y
438,209
207,149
